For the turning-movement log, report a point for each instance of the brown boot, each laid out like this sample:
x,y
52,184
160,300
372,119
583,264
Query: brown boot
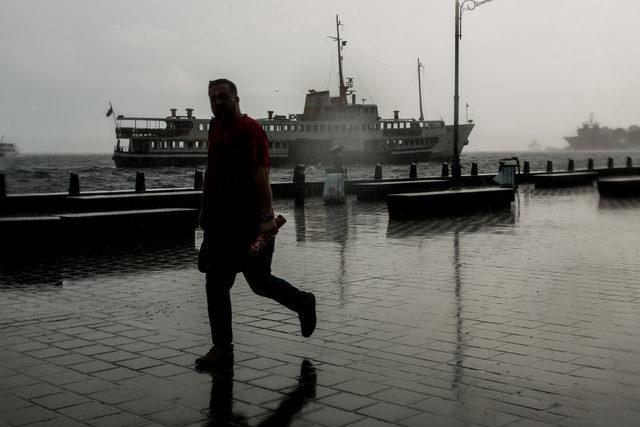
x,y
216,358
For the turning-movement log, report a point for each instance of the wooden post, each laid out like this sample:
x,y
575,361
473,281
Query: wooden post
x,y
526,168
590,165
74,184
413,171
377,175
474,169
610,163
445,169
571,166
140,185
629,162
549,166
3,188
198,179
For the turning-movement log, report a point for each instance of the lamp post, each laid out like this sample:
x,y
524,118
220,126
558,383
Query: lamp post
x,y
456,169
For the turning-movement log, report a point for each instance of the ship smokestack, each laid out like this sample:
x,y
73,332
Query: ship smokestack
x,y
189,113
173,111
270,114
353,99
396,114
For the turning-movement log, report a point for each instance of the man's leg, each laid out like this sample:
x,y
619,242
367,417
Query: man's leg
x,y
263,283
219,283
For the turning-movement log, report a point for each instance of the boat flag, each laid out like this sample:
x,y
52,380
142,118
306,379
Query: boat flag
x,y
110,111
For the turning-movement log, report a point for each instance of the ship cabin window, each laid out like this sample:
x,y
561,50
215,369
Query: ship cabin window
x,y
350,127
400,142
271,128
200,126
308,128
180,144
285,128
315,128
277,145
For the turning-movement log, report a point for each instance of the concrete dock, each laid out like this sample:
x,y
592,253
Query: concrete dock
x,y
523,317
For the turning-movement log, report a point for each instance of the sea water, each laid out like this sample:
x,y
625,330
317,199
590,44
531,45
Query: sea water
x,y
45,173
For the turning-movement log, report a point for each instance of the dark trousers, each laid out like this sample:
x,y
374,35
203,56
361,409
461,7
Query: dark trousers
x,y
257,271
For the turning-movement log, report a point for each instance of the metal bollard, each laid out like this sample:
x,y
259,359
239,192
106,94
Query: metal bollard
x,y
413,171
298,184
74,184
549,166
629,162
198,179
3,188
377,175
474,169
526,168
590,165
610,163
571,166
140,186
445,169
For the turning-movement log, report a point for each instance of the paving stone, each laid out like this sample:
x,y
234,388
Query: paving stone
x,y
27,415
87,411
60,400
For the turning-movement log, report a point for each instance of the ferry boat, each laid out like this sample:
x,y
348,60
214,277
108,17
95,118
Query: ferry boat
x,y
7,148
592,136
329,129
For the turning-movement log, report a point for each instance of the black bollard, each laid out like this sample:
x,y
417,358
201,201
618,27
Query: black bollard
x,y
549,166
571,166
140,187
298,184
445,169
590,165
74,184
377,175
413,171
526,169
629,162
610,163
474,169
3,188
198,179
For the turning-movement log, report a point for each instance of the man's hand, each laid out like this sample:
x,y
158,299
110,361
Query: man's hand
x,y
268,227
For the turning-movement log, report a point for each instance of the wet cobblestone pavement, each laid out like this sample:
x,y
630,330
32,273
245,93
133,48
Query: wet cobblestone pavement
x,y
522,318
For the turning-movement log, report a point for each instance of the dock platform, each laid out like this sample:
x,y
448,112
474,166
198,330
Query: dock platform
x,y
563,179
450,202
621,186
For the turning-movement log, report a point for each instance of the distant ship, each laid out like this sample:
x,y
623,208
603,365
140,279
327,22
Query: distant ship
x,y
330,127
7,148
591,136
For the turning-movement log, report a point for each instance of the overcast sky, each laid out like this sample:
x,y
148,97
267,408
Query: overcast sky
x,y
529,69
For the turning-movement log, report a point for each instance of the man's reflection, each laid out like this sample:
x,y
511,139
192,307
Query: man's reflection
x,y
221,404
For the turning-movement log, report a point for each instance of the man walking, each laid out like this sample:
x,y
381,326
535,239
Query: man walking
x,y
236,209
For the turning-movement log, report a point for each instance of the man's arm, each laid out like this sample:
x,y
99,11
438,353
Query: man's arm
x,y
204,203
265,199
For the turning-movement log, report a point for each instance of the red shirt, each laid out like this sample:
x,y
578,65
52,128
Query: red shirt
x,y
235,153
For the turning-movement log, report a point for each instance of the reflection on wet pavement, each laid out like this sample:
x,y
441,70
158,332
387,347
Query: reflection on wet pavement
x,y
527,317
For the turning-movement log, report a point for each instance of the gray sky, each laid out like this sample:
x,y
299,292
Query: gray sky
x,y
529,69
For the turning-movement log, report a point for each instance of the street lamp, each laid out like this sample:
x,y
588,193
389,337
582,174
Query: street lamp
x,y
456,169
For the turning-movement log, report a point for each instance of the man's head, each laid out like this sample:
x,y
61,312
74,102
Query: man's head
x,y
223,96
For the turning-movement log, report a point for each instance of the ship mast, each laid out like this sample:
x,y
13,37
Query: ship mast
x,y
341,43
420,89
